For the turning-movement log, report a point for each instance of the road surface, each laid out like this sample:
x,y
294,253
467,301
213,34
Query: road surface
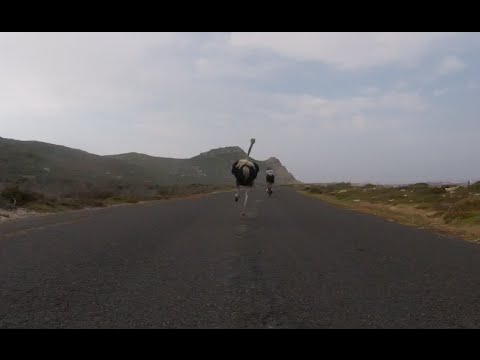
x,y
292,262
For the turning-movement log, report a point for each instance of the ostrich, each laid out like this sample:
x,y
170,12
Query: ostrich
x,y
245,173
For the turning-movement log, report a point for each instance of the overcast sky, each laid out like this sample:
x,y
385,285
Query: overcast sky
x,y
378,107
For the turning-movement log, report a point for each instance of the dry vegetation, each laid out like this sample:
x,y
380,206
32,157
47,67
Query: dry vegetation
x,y
17,198
453,210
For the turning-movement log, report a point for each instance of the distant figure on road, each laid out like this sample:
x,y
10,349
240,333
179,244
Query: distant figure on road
x,y
270,179
245,172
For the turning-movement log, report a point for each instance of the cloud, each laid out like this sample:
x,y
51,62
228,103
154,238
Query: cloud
x,y
370,90
178,94
344,50
472,85
359,121
450,64
340,115
90,69
324,107
440,92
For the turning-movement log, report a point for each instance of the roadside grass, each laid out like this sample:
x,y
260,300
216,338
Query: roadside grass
x,y
449,210
14,197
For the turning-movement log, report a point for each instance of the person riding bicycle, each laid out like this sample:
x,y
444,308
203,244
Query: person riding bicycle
x,y
270,178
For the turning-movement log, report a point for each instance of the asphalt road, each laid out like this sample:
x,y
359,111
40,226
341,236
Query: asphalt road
x,y
291,262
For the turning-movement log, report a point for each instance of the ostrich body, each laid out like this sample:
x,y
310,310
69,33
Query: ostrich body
x,y
245,172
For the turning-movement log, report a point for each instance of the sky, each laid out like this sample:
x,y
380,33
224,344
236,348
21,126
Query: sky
x,y
359,107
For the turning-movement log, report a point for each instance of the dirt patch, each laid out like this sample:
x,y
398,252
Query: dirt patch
x,y
10,215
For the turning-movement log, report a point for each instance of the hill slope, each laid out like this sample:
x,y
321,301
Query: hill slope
x,y
56,168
